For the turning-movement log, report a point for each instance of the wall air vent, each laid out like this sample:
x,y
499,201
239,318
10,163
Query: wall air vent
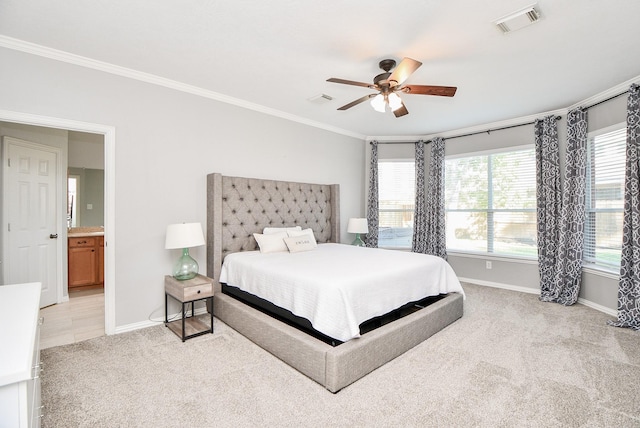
x,y
519,19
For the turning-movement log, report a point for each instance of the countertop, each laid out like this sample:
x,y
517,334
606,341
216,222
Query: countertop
x,y
84,234
80,232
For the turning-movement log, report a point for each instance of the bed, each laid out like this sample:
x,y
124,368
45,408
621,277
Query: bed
x,y
237,208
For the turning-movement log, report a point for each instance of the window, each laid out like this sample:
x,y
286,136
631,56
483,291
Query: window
x,y
396,197
490,203
604,199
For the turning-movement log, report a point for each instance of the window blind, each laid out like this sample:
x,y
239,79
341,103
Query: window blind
x,y
490,203
396,196
604,199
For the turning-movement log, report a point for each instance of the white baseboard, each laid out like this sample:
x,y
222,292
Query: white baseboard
x,y
597,307
203,310
135,326
500,285
153,323
588,303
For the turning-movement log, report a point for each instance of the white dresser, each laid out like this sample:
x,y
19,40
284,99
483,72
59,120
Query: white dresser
x,y
20,355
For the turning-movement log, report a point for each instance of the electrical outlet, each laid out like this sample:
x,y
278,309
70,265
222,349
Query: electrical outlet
x,y
488,264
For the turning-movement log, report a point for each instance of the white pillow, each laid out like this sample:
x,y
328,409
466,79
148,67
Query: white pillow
x,y
304,242
271,243
270,230
300,232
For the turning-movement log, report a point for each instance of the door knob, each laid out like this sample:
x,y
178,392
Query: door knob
x,y
53,236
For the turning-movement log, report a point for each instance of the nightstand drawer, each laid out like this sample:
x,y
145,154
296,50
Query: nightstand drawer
x,y
199,287
198,292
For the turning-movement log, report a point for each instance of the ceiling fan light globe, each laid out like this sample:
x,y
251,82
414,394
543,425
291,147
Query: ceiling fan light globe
x,y
378,103
394,101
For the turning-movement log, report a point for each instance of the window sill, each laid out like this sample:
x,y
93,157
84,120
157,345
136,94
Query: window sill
x,y
396,248
600,271
494,257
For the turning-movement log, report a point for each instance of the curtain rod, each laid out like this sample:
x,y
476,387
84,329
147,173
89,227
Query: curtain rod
x,y
488,131
608,99
531,123
399,142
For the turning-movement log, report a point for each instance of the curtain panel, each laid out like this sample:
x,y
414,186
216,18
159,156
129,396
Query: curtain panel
x,y
373,206
569,262
629,283
436,231
548,200
419,243
562,275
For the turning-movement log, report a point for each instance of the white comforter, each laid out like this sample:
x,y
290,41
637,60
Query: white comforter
x,y
336,286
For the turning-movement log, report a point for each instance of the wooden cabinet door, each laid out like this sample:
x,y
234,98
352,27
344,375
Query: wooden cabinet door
x,y
82,266
100,260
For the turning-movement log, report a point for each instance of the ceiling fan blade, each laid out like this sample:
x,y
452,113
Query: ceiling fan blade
x,y
443,91
351,82
356,102
403,70
399,112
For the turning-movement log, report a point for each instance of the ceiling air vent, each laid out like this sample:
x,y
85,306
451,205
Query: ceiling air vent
x,y
320,99
519,19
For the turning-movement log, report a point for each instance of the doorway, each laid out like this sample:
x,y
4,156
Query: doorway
x,y
107,133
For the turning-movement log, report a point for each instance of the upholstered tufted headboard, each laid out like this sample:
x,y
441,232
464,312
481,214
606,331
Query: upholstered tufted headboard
x,y
238,207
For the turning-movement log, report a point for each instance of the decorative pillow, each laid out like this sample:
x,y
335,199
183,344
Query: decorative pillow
x,y
271,243
304,242
300,232
270,230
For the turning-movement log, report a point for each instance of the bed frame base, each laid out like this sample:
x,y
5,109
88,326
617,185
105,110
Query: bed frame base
x,y
336,367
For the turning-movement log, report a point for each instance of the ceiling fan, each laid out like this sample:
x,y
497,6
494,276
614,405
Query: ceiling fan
x,y
389,84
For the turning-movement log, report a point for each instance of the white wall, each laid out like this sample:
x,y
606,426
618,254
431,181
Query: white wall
x,y
166,143
86,150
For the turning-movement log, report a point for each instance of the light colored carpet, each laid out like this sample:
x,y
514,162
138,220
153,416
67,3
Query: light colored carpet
x,y
510,361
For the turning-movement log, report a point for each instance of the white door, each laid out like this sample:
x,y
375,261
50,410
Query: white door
x,y
30,216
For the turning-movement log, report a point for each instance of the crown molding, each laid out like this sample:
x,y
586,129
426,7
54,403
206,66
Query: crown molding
x,y
470,130
58,55
602,96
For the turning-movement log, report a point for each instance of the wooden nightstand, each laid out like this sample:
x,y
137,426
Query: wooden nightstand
x,y
185,292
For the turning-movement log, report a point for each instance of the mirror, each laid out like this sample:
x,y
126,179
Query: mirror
x,y
85,197
73,183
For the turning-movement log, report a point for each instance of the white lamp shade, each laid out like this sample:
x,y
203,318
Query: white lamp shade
x,y
184,235
394,101
378,103
357,225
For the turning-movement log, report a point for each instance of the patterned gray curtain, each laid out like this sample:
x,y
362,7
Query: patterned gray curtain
x,y
436,236
371,240
419,244
629,284
549,203
568,264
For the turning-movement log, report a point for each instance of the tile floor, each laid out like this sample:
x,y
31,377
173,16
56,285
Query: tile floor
x,y
81,318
